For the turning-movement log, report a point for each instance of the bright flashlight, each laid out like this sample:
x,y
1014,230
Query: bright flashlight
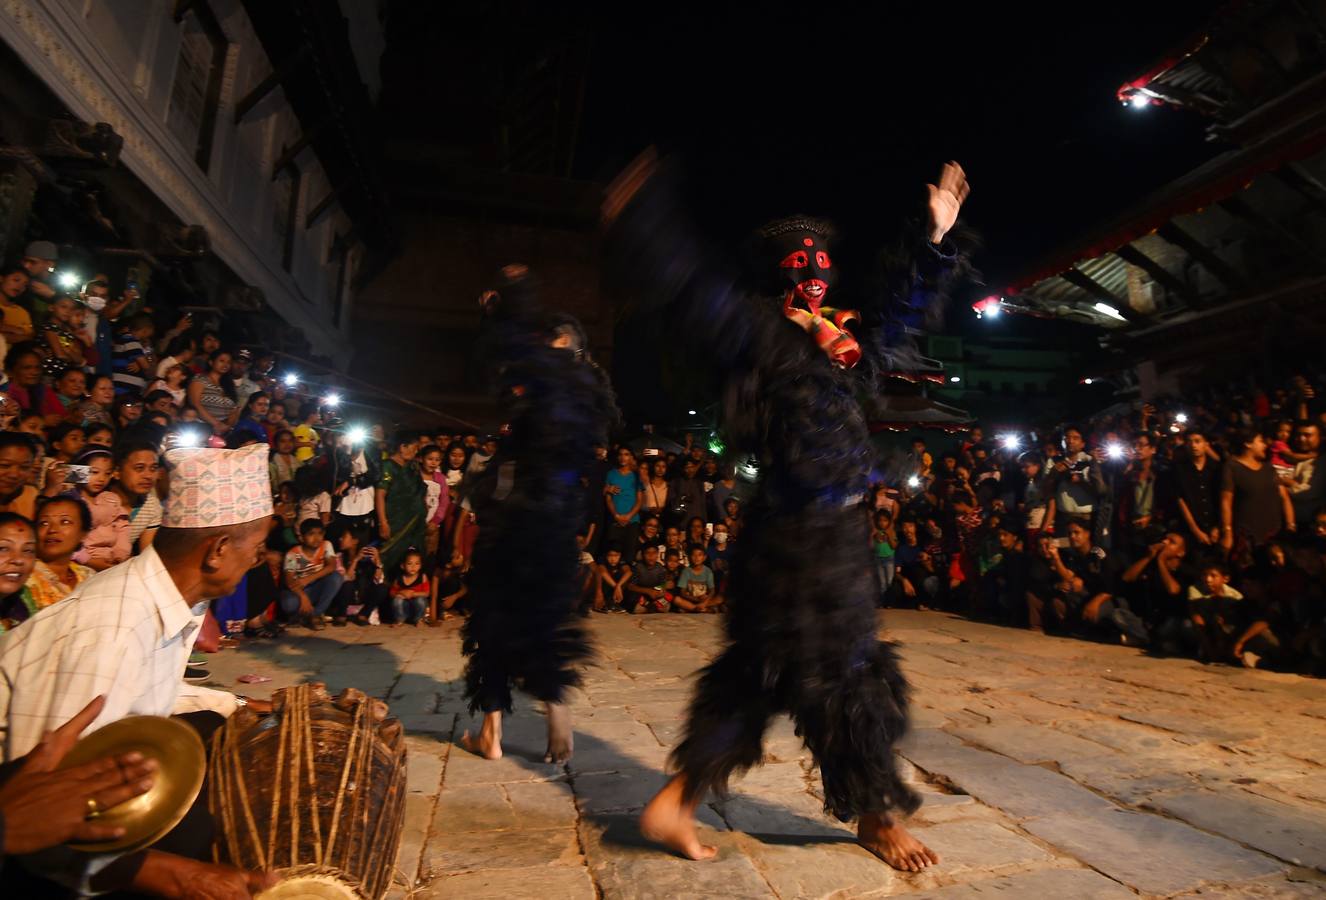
x,y
357,434
1139,100
690,412
68,280
1011,441
1088,380
1181,418
1114,451
914,482
291,379
954,379
332,399
188,437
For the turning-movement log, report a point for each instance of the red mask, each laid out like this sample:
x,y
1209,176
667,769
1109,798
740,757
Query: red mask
x,y
806,265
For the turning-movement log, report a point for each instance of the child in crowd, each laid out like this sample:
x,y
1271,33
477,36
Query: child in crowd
x,y
365,585
648,584
410,590
885,540
695,585
614,574
109,542
282,465
315,501
285,511
63,345
99,436
275,422
312,576
448,590
64,442
1217,612
437,502
172,382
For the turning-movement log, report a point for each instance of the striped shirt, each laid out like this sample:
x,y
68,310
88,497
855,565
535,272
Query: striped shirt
x,y
126,351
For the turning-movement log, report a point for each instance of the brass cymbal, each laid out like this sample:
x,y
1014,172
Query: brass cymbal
x,y
181,764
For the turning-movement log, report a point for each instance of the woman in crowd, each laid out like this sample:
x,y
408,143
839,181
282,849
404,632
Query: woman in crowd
x,y
251,418
695,533
655,479
23,369
18,555
400,501
62,525
108,541
128,410
212,394
365,582
61,404
96,409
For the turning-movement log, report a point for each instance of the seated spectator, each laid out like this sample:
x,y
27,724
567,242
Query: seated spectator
x,y
314,493
1286,628
131,359
312,576
1064,581
449,589
614,574
173,385
61,402
1219,616
696,591
99,436
96,409
251,417
15,322
64,348
696,534
275,422
65,441
179,351
262,592
18,556
137,467
410,590
649,537
23,374
17,456
647,586
720,555
212,395
282,464
1153,588
365,585
108,542
61,526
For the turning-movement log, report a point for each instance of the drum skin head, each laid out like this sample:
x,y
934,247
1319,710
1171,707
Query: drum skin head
x,y
311,887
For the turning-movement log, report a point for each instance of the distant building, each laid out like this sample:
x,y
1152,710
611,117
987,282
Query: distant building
x,y
1014,378
214,148
1224,266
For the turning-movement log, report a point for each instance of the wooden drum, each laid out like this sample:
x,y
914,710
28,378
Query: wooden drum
x,y
314,792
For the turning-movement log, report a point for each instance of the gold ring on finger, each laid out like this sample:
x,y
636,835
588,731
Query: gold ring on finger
x,y
93,808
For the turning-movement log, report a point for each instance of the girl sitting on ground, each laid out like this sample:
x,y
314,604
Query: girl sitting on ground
x,y
410,590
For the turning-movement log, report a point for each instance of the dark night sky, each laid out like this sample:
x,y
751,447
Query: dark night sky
x,y
846,112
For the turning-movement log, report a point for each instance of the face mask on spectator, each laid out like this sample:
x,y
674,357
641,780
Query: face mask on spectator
x,y
96,304
720,538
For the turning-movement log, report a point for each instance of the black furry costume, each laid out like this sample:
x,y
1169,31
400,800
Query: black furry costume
x,y
523,629
802,626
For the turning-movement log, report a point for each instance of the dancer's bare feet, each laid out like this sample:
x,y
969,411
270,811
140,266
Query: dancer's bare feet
x,y
670,821
888,840
561,740
488,742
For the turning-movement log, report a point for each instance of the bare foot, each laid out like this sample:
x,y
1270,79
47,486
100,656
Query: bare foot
x,y
561,739
670,822
892,843
488,742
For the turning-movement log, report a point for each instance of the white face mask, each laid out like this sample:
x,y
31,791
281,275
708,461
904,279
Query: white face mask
x,y
96,304
720,538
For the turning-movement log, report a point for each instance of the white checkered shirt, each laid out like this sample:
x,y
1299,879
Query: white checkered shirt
x,y
126,633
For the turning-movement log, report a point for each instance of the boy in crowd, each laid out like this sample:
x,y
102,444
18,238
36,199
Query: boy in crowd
x,y
648,583
1218,614
312,576
613,576
695,586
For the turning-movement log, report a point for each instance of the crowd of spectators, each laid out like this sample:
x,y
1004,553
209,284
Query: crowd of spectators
x,y
1193,528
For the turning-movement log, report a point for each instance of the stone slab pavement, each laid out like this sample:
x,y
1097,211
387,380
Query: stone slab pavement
x,y
1049,768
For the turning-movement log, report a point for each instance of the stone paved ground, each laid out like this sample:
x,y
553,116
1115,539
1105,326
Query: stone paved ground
x,y
1050,768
